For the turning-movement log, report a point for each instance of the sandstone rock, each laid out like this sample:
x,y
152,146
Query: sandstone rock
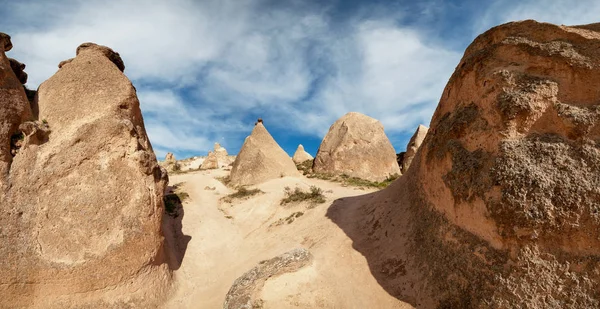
x,y
301,155
244,290
413,145
81,221
211,161
500,206
5,42
18,68
170,157
14,110
261,159
357,146
222,155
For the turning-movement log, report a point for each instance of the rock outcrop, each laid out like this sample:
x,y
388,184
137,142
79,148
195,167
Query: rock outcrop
x,y
81,219
261,159
357,146
170,164
301,155
14,110
243,293
500,206
211,161
413,145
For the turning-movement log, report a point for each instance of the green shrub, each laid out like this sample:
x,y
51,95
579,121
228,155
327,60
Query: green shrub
x,y
242,192
315,195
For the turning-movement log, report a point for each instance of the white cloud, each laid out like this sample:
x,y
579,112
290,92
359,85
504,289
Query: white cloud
x,y
201,67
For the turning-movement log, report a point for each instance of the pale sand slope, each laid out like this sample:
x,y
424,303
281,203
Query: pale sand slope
x,y
221,249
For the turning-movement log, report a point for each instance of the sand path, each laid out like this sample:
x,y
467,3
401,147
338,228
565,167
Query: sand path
x,y
228,239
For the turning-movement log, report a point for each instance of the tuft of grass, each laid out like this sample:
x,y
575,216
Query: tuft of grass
x,y
354,181
315,195
242,192
289,219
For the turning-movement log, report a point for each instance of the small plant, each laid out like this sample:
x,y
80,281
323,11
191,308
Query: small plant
x,y
315,195
242,192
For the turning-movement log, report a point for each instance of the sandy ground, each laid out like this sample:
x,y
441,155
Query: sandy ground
x,y
228,239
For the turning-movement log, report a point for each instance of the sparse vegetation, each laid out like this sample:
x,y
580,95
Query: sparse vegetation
x,y
353,181
242,192
305,167
289,219
315,195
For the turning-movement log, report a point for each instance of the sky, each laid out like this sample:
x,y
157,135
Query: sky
x,y
206,70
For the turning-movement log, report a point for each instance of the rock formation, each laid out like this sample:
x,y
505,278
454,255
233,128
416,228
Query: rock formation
x,y
14,110
81,219
244,290
222,155
170,163
413,145
357,146
211,161
500,206
261,159
301,155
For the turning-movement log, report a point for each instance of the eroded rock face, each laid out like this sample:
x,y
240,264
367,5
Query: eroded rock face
x,y
14,109
81,222
211,161
301,155
413,145
261,159
501,202
357,146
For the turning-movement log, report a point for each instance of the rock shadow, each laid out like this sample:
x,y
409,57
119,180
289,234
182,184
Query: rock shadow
x,y
378,225
176,242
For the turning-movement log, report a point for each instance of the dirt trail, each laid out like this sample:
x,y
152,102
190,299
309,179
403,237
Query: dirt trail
x,y
228,239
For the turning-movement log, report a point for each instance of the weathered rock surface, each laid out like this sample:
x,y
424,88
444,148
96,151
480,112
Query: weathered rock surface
x,y
244,290
211,161
223,157
170,163
81,220
18,68
500,206
301,155
261,159
413,145
357,146
14,109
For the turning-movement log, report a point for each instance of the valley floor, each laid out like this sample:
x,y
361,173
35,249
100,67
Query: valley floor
x,y
219,241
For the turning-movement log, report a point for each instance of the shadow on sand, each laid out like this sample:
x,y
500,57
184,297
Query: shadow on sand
x,y
378,224
175,241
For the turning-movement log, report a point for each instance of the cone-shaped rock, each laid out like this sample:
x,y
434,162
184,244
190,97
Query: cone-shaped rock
x,y
222,155
81,222
301,155
261,159
413,145
357,146
499,208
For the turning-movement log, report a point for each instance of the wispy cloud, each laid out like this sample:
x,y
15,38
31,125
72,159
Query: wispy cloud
x,y
205,69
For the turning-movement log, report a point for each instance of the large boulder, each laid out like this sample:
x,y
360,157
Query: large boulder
x,y
170,163
357,146
500,206
261,159
301,155
81,221
14,110
413,145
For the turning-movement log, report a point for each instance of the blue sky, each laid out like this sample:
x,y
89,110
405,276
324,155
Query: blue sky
x,y
205,70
